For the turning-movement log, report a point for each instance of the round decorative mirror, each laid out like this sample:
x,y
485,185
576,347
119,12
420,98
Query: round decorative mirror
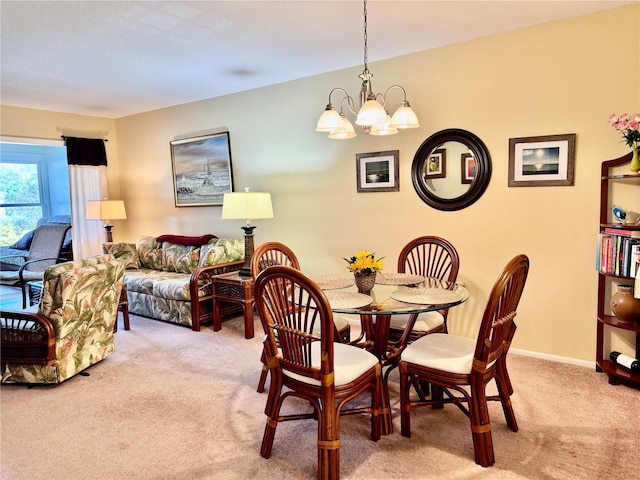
x,y
451,169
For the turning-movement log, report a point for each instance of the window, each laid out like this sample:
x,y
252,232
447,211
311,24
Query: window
x,y
34,183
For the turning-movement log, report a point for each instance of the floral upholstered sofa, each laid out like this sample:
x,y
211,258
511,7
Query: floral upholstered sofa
x,y
165,274
73,327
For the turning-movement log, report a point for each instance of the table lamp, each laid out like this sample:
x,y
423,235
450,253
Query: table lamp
x,y
106,210
247,206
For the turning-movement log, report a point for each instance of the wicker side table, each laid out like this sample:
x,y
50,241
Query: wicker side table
x,y
232,288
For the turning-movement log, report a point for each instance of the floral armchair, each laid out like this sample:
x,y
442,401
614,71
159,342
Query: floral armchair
x,y
73,326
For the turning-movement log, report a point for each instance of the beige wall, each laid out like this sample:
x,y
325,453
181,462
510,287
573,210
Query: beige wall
x,y
564,77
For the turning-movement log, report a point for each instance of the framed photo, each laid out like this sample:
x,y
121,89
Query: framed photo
x,y
378,171
436,164
468,167
542,161
202,171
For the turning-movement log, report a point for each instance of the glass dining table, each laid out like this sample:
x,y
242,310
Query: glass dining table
x,y
393,294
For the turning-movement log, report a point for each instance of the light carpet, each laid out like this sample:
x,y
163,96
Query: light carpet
x,y
171,403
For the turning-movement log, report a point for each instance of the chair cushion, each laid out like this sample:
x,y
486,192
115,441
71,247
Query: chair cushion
x,y
25,242
149,252
222,250
125,252
30,276
425,323
349,363
440,351
172,288
180,258
211,254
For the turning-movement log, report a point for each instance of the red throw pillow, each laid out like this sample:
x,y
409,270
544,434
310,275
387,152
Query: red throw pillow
x,y
186,240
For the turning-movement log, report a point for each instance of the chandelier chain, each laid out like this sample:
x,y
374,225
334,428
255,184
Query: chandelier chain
x,y
372,115
366,67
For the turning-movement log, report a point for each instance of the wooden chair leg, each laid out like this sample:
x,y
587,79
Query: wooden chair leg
x,y
125,317
123,306
272,410
267,438
507,407
328,443
376,409
481,428
263,373
503,374
423,389
405,403
437,395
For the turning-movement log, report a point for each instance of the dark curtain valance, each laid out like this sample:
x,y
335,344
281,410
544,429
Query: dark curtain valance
x,y
85,151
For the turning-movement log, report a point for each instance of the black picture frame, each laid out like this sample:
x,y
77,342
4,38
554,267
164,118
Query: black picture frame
x,y
468,168
543,161
378,171
436,165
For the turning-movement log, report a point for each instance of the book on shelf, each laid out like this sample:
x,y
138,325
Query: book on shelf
x,y
617,255
625,232
634,260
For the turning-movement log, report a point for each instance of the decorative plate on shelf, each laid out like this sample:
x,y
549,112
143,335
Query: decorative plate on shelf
x,y
334,282
398,279
426,296
347,299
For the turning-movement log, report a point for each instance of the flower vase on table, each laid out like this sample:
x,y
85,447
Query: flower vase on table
x,y
635,162
630,131
364,282
364,266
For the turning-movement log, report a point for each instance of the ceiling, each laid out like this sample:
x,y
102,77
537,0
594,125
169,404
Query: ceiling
x,y
117,58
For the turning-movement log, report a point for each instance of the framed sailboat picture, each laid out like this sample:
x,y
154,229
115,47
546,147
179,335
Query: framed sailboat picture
x,y
202,171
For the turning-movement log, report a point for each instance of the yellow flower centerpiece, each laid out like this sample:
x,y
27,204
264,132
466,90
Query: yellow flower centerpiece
x,y
364,266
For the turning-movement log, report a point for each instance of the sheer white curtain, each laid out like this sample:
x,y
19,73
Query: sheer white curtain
x,y
86,183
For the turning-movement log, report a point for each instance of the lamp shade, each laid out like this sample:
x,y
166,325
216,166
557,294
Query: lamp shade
x,y
383,128
247,205
329,120
371,113
346,131
405,117
106,210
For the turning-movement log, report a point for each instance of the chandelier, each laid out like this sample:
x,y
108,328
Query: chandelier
x,y
373,115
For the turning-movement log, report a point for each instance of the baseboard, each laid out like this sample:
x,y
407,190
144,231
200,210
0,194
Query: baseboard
x,y
553,358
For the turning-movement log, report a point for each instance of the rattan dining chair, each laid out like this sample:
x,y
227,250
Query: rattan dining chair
x,y
276,253
304,359
427,256
466,366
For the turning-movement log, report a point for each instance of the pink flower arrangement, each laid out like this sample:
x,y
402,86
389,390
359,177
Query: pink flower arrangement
x,y
630,129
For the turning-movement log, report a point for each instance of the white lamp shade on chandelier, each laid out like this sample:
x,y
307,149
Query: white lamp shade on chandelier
x,y
372,116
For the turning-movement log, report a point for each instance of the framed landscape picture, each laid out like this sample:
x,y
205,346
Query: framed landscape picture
x,y
542,161
378,171
202,171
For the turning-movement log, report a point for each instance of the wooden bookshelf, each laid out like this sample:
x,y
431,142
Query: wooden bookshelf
x,y
610,174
